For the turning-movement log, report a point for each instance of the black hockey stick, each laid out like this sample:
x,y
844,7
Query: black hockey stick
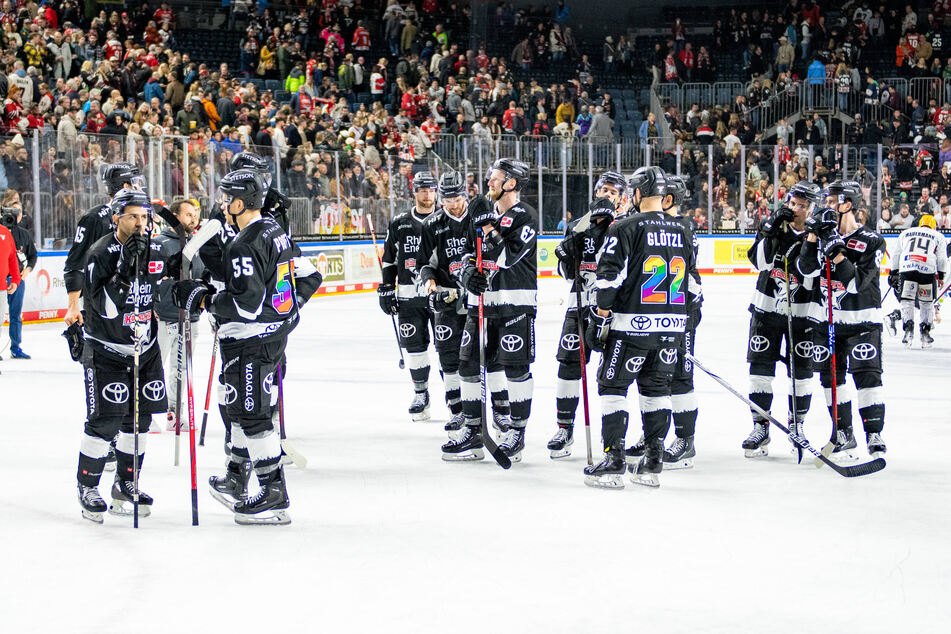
x,y
830,446
211,374
379,260
791,352
180,348
487,439
136,358
580,227
849,471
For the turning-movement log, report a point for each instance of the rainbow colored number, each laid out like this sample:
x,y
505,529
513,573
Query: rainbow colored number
x,y
679,269
657,267
283,299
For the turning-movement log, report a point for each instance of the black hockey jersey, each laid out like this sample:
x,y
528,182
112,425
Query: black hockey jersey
x,y
92,226
401,254
856,295
512,266
593,238
259,300
110,301
695,288
768,256
446,239
643,276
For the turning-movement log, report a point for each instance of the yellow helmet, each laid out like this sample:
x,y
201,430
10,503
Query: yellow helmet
x,y
928,221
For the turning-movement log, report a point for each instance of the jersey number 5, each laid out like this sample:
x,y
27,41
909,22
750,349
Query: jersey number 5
x,y
657,268
283,299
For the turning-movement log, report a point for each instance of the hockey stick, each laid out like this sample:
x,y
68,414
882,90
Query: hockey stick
x,y
487,439
582,226
827,449
136,357
379,260
295,456
211,375
179,350
791,351
849,471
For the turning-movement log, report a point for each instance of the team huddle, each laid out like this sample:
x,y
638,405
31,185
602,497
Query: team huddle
x,y
464,271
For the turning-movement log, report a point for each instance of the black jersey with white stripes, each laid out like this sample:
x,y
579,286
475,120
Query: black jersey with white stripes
x,y
401,254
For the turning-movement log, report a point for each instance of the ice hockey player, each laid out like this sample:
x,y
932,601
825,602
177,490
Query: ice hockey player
x,y
445,240
853,252
118,298
93,225
508,286
780,237
577,261
255,313
171,342
918,261
643,287
399,293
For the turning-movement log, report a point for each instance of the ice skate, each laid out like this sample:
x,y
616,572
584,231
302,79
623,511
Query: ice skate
x,y
560,444
680,454
456,422
232,486
501,422
110,460
122,494
635,451
651,464
891,321
909,337
468,446
607,473
419,409
876,446
843,446
92,503
795,427
268,506
926,339
757,443
512,442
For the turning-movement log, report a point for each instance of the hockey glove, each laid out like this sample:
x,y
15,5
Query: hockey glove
x,y
474,280
894,280
774,223
596,334
832,244
75,340
386,293
569,251
135,247
481,212
822,222
190,294
443,301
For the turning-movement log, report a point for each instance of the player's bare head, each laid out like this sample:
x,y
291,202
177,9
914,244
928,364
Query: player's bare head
x,y
424,191
452,193
131,212
188,213
505,176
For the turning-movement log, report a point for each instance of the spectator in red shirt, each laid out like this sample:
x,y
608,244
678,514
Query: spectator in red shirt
x,y
95,120
687,58
408,103
810,12
164,13
361,38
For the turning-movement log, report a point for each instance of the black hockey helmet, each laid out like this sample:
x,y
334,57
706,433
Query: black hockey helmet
x,y
512,169
846,191
117,175
601,208
129,198
250,161
650,181
424,180
244,185
452,185
807,190
677,190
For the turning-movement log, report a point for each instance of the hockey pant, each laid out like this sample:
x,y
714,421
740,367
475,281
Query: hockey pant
x,y
858,350
414,321
768,335
509,353
568,386
920,287
448,335
248,395
109,382
624,362
173,358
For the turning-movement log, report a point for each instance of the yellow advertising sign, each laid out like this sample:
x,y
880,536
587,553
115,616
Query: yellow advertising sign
x,y
731,252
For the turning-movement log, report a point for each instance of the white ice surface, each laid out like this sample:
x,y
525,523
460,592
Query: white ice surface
x,y
386,537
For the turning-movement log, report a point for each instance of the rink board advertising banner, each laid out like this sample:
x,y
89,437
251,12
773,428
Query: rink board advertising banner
x,y
349,267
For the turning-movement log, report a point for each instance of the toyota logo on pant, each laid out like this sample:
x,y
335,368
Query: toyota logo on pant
x,y
634,364
116,393
759,343
466,338
511,343
804,349
819,353
407,330
443,333
570,342
864,352
230,394
668,356
268,383
154,390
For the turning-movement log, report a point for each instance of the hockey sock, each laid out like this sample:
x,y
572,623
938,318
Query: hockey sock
x,y
613,420
520,391
471,398
844,409
124,449
684,408
907,310
927,313
803,398
418,363
567,393
453,392
498,386
655,416
265,451
870,401
92,458
239,444
761,392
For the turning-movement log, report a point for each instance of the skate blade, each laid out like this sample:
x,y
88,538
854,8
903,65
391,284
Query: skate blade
x,y
606,481
273,517
93,516
684,463
516,457
646,479
421,417
759,452
464,456
558,454
122,508
225,500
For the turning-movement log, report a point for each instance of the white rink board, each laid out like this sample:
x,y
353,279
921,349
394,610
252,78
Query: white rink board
x,y
388,538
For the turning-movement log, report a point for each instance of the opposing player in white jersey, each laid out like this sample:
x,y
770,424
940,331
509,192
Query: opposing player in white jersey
x,y
918,262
